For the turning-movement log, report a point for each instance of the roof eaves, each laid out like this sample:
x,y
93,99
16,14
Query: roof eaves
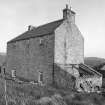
x,y
18,38
13,41
90,69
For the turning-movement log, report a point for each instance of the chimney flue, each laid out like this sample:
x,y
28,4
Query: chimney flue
x,y
68,14
30,27
66,6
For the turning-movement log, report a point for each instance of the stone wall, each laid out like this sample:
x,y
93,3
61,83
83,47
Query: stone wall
x,y
63,79
31,56
69,44
89,84
28,57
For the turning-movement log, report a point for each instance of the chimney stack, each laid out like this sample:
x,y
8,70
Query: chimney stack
x,y
30,27
68,14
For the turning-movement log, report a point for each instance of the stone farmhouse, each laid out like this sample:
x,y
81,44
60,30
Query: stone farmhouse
x,y
51,53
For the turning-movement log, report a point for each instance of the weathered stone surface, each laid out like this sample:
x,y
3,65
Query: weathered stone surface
x,y
89,84
65,47
63,79
28,57
69,44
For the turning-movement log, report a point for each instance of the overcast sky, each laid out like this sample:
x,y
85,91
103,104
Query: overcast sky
x,y
16,15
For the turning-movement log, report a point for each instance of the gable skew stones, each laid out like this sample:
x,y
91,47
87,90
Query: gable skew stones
x,y
91,81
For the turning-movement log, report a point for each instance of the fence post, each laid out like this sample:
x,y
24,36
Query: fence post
x,y
5,87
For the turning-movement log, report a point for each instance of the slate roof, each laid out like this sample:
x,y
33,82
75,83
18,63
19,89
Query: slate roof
x,y
39,31
89,69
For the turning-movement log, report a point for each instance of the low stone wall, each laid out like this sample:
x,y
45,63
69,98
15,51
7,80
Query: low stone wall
x,y
89,84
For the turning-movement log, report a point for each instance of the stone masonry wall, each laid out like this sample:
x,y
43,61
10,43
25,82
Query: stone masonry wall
x,y
69,44
28,57
63,79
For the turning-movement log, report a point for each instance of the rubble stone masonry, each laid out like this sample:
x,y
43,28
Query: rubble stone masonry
x,y
29,57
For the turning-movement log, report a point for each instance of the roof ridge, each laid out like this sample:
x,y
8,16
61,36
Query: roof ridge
x,y
44,29
49,23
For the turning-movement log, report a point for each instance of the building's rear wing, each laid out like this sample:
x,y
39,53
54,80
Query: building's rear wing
x,y
89,69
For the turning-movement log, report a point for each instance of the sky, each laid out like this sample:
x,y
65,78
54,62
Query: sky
x,y
17,15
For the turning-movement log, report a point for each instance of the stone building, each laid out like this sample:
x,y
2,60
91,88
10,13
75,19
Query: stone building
x,y
43,53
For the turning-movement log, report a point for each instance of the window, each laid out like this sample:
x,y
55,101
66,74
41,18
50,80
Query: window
x,y
28,42
0,69
28,46
4,70
13,73
40,77
14,45
40,41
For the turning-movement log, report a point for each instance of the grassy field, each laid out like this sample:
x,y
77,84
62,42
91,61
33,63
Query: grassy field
x,y
29,94
93,61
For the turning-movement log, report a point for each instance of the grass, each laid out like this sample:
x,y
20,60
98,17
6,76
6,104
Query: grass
x,y
28,94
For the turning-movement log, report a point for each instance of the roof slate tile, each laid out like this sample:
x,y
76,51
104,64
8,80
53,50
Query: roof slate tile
x,y
39,31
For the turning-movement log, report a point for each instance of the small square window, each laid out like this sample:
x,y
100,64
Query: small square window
x,y
28,41
40,78
13,73
27,46
41,41
14,45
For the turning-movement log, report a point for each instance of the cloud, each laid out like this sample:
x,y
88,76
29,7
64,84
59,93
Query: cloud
x,y
16,15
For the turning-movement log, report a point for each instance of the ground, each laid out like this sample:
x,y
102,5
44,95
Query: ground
x,y
32,94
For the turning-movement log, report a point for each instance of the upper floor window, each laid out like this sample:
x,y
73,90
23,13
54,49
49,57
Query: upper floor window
x,y
27,43
27,46
41,41
4,70
14,45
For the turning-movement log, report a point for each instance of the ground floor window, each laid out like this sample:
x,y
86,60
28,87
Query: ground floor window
x,y
13,73
4,70
40,77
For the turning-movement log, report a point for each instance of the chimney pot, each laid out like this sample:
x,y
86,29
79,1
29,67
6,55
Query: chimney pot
x,y
66,6
68,14
30,27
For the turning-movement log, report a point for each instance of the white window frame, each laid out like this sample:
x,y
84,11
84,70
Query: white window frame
x,y
41,41
13,72
39,77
